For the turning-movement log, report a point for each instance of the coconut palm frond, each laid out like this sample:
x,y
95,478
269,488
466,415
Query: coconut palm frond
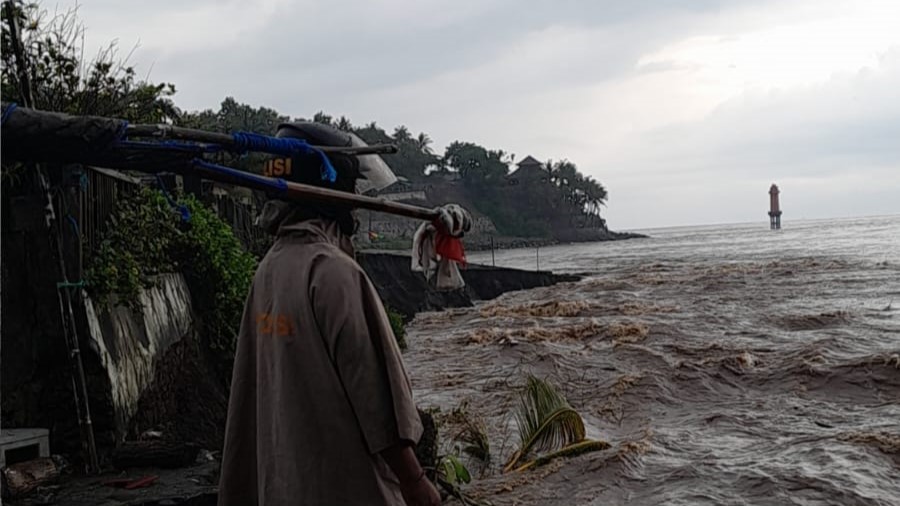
x,y
572,450
545,420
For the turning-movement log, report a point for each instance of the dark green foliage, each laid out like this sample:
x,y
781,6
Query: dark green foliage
x,y
61,81
136,246
398,326
219,272
565,198
146,237
453,471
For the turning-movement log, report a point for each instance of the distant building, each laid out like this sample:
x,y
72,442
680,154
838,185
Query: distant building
x,y
529,170
403,190
774,208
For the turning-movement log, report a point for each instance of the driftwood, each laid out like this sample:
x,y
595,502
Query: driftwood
x,y
22,478
164,454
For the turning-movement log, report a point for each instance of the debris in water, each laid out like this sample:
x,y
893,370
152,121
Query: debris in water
x,y
571,332
884,441
542,309
641,308
547,422
624,333
621,332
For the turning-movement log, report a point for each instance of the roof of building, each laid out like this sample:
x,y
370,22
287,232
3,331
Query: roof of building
x,y
528,160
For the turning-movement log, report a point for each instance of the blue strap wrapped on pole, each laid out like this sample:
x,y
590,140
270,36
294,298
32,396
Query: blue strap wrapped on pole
x,y
248,141
183,209
275,185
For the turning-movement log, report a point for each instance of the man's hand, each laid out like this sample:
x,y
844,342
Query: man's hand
x,y
420,493
417,490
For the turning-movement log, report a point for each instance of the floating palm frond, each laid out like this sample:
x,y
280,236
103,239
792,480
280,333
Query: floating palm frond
x,y
546,421
588,445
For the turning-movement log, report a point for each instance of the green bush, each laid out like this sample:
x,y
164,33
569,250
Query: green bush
x,y
398,326
147,237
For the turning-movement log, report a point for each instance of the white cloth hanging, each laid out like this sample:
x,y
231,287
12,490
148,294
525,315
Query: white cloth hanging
x,y
440,269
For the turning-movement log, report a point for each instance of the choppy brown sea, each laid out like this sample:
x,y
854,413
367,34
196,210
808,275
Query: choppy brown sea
x,y
724,365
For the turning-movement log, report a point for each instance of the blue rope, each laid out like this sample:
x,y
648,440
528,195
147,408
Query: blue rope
x,y
120,132
9,109
74,223
248,141
174,145
185,212
276,185
66,284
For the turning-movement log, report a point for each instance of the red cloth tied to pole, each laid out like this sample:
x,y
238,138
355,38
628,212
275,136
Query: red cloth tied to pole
x,y
448,246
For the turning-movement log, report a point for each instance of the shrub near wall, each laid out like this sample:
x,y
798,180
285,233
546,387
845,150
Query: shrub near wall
x,y
147,237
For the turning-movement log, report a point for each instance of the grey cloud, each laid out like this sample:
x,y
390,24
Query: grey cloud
x,y
472,71
848,120
323,50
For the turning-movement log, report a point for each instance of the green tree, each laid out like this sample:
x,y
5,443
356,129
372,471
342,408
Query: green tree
x,y
344,124
60,81
476,164
234,116
423,142
321,117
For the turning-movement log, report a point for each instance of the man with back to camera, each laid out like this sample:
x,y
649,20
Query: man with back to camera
x,y
321,410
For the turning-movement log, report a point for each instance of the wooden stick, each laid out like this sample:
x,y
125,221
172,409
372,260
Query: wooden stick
x,y
360,201
324,195
173,132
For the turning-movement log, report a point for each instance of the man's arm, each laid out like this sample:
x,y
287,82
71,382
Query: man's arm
x,y
416,488
362,346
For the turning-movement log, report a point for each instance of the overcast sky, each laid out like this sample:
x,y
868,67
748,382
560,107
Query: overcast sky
x,y
686,110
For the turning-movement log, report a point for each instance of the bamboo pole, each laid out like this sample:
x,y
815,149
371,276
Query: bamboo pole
x,y
161,131
308,192
174,160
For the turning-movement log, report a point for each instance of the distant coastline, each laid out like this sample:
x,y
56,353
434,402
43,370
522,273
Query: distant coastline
x,y
483,243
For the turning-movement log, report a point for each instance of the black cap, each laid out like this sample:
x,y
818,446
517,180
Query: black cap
x,y
307,168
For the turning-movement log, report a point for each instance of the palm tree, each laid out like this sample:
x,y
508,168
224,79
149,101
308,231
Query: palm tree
x,y
550,168
401,134
423,141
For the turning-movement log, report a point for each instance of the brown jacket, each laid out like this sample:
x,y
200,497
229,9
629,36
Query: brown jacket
x,y
319,388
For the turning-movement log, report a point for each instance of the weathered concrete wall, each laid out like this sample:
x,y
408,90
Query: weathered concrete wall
x,y
130,344
397,227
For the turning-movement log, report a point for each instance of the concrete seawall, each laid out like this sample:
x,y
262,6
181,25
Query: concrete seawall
x,y
409,293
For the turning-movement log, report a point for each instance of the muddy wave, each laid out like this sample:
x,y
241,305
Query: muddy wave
x,y
723,370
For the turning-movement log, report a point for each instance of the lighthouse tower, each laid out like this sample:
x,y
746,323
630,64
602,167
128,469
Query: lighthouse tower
x,y
774,208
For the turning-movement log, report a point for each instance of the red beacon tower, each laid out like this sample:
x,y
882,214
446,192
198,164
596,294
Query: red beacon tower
x,y
774,208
